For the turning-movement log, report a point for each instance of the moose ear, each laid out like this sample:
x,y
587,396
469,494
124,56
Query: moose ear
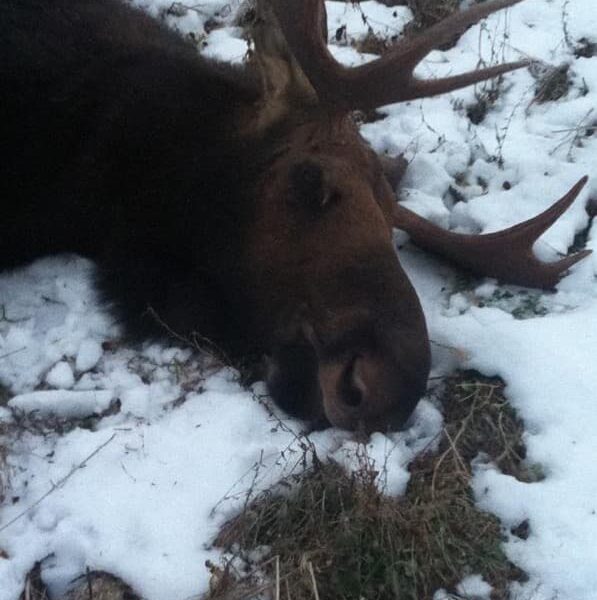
x,y
308,187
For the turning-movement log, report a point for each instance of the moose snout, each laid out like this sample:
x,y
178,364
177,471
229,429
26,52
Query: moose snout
x,y
369,391
362,364
356,379
371,371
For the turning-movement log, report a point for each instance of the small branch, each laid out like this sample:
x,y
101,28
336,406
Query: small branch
x,y
567,36
201,343
452,444
4,318
13,352
277,596
58,485
313,580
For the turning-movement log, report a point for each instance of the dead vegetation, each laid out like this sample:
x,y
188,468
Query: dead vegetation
x,y
429,12
332,535
552,83
425,14
585,48
485,98
4,470
374,44
4,397
93,585
4,467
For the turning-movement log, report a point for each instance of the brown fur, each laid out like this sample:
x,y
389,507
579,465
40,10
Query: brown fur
x,y
265,232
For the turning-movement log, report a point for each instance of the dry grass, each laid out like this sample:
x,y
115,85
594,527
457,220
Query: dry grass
x,y
4,469
4,473
4,398
374,44
488,425
425,14
585,48
552,83
429,12
331,535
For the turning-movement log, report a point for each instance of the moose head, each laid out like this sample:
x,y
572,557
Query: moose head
x,y
349,340
239,203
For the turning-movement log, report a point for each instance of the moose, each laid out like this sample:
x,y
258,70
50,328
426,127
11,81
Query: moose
x,y
239,203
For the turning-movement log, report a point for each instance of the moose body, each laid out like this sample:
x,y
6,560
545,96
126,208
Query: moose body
x,y
120,144
264,230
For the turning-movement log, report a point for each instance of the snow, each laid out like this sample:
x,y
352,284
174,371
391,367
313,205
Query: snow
x,y
65,404
88,355
141,492
61,376
472,587
386,21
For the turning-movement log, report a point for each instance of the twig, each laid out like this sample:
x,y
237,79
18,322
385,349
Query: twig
x,y
452,443
573,135
58,485
277,577
201,343
502,132
313,581
126,472
4,318
89,583
567,37
457,457
255,467
12,352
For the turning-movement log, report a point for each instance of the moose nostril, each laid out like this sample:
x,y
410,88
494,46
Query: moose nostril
x,y
350,392
352,396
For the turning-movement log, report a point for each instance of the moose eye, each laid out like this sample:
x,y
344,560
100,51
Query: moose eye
x,y
308,188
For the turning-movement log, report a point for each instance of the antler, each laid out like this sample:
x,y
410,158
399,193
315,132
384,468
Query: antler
x,y
389,78
506,255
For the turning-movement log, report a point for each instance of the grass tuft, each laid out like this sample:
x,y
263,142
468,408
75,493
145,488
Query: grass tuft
x,y
334,535
552,84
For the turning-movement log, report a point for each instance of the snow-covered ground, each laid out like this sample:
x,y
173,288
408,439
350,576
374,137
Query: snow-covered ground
x,y
141,491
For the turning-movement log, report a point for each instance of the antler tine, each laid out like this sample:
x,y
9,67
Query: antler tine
x,y
533,228
555,269
387,79
423,88
507,254
414,50
301,21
